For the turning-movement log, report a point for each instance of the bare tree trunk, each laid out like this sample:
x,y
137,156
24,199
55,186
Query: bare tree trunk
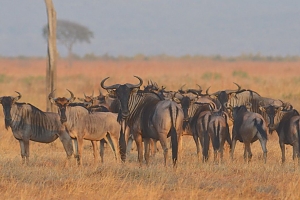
x,y
52,54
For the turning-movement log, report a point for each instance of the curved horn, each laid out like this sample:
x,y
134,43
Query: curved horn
x,y
216,93
17,97
231,91
200,88
139,84
181,89
72,98
108,87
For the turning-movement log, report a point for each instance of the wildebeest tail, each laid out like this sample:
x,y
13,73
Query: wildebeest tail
x,y
122,141
173,133
216,141
259,126
206,138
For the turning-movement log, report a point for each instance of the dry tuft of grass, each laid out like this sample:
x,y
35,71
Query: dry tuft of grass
x,y
45,177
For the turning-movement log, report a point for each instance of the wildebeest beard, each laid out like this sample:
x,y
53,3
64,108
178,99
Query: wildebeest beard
x,y
7,123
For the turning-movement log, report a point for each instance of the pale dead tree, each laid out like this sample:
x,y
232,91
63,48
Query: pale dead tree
x,y
52,53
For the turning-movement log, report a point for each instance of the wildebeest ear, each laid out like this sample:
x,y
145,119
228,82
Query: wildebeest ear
x,y
213,96
52,100
248,105
87,104
80,99
228,106
135,90
262,108
176,100
232,95
112,93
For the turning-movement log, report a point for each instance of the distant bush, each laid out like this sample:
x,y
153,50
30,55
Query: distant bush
x,y
296,79
29,80
3,78
240,74
210,76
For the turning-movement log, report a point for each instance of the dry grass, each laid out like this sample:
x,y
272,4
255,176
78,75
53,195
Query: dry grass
x,y
46,178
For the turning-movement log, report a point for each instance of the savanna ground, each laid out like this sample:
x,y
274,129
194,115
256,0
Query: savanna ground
x,y
46,177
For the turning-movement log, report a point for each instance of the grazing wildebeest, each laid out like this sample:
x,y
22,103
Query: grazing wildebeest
x,y
247,128
148,117
218,131
286,122
30,123
81,124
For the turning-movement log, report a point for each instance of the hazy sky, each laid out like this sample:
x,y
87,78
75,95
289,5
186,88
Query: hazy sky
x,y
151,27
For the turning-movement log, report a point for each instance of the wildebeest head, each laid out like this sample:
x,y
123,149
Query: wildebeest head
x,y
7,102
89,100
272,110
185,101
223,95
234,112
151,87
62,103
122,92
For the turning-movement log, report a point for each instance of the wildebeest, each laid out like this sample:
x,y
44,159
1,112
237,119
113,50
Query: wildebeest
x,y
286,122
93,103
247,128
81,124
195,119
148,117
27,122
218,131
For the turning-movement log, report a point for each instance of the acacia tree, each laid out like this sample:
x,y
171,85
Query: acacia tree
x,y
69,33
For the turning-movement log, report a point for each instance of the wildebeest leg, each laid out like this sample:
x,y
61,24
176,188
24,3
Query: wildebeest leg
x,y
102,142
205,147
23,153
139,144
129,145
66,140
26,145
248,153
222,142
75,147
228,139
282,147
263,143
180,147
196,139
112,139
95,152
215,155
153,147
80,149
147,149
232,148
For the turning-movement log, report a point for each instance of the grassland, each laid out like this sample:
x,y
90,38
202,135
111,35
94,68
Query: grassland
x,y
47,178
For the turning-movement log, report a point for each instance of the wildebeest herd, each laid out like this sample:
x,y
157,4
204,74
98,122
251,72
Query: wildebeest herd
x,y
127,112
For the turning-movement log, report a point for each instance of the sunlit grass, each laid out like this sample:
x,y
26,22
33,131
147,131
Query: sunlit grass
x,y
46,177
